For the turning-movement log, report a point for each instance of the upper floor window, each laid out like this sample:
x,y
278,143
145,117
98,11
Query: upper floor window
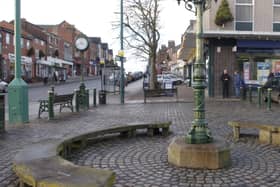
x,y
8,38
276,15
244,15
22,42
27,44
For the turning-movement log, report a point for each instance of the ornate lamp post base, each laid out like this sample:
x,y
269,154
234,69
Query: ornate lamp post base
x,y
199,135
213,155
18,102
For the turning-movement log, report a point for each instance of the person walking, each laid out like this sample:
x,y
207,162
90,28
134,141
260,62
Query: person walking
x,y
225,78
237,83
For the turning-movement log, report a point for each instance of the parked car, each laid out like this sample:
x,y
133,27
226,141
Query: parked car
x,y
3,86
169,77
176,79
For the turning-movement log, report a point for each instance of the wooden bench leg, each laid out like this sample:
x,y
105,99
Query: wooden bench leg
x,y
236,133
150,132
165,131
156,131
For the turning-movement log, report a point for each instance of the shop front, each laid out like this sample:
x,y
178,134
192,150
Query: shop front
x,y
257,58
47,68
26,67
254,56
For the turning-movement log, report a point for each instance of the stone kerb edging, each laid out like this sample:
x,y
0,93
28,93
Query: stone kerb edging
x,y
42,164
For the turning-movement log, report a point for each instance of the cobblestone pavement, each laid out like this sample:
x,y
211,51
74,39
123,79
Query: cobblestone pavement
x,y
142,161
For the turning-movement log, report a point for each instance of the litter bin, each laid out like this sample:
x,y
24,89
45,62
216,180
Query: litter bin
x,y
102,97
2,113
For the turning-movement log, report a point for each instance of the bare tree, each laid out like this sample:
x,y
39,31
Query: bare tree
x,y
142,33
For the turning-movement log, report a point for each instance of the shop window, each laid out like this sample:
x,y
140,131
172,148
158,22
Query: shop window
x,y
244,15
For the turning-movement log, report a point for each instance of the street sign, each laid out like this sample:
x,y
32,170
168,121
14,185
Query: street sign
x,y
118,58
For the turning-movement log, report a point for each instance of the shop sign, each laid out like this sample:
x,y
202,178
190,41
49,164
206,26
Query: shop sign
x,y
24,59
263,71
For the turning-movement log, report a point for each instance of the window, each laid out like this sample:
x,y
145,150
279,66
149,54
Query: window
x,y
7,38
42,43
276,2
37,53
276,16
21,42
27,44
244,15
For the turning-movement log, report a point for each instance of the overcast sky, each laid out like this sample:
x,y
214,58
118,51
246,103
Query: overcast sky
x,y
95,18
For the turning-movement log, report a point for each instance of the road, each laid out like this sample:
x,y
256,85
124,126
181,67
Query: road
x,y
41,92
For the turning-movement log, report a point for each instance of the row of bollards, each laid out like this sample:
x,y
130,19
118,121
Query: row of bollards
x,y
260,91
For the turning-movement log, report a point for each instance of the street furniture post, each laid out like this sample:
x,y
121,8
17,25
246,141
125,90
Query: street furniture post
x,y
269,90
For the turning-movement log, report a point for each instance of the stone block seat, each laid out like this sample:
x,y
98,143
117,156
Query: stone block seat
x,y
269,134
43,165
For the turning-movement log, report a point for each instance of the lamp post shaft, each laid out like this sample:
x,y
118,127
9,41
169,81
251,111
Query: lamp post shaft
x,y
199,132
82,67
121,58
17,42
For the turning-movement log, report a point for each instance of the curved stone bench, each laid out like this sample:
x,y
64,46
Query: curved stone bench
x,y
42,164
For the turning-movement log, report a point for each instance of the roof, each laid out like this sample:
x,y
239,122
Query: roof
x,y
10,28
187,47
94,39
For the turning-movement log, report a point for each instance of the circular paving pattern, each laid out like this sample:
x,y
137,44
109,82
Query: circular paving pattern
x,y
142,161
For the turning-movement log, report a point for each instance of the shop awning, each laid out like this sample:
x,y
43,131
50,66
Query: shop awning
x,y
264,44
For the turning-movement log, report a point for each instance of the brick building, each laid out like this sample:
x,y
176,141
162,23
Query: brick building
x,y
7,52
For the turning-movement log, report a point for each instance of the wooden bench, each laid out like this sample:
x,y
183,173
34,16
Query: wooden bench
x,y
64,101
42,164
269,134
160,92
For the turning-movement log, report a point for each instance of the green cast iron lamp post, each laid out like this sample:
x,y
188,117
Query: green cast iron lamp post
x,y
18,89
199,132
82,44
121,54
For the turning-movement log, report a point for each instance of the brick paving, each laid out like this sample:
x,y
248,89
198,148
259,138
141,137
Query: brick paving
x,y
142,161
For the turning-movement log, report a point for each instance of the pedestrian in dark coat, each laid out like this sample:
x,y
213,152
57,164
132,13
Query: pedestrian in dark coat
x,y
225,78
237,83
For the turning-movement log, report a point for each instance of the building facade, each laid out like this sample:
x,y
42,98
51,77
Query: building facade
x,y
250,44
7,48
